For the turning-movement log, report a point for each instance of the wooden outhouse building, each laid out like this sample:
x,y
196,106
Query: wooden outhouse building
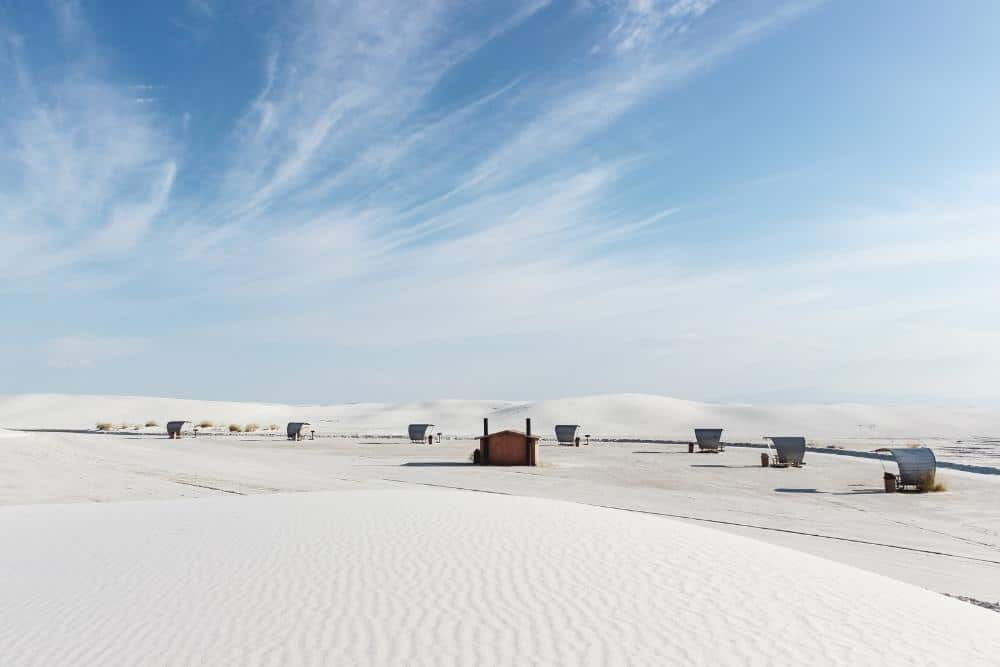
x,y
508,447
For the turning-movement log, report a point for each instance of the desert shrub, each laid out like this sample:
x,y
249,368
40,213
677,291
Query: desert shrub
x,y
250,428
103,426
235,428
204,423
151,423
273,427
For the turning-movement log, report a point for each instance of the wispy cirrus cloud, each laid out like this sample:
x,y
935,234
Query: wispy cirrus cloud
x,y
638,23
339,141
85,170
350,188
334,89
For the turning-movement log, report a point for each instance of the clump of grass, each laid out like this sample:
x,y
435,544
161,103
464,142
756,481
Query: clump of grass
x,y
250,428
204,423
235,428
151,423
103,426
937,487
272,427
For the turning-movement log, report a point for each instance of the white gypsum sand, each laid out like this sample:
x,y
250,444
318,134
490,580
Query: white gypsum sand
x,y
833,507
424,576
354,572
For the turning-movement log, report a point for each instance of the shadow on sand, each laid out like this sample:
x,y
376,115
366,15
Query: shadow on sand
x,y
719,465
437,464
860,492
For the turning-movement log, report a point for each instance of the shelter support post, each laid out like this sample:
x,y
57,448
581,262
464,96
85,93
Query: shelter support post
x,y
890,482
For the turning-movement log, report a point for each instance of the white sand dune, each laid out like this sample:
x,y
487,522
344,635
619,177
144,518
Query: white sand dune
x,y
83,412
444,577
662,417
617,415
381,559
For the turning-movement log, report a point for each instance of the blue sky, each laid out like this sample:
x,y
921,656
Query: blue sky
x,y
328,201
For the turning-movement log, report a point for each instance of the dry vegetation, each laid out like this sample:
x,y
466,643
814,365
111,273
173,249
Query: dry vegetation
x,y
235,428
204,423
103,426
151,423
250,428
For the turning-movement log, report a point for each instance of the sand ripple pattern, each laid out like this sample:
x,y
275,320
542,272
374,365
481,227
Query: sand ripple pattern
x,y
377,577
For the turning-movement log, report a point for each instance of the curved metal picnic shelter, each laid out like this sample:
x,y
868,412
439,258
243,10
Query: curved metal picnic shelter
x,y
418,432
789,449
566,433
709,439
174,428
917,466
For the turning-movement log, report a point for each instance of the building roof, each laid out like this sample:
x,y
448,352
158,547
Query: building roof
x,y
510,430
